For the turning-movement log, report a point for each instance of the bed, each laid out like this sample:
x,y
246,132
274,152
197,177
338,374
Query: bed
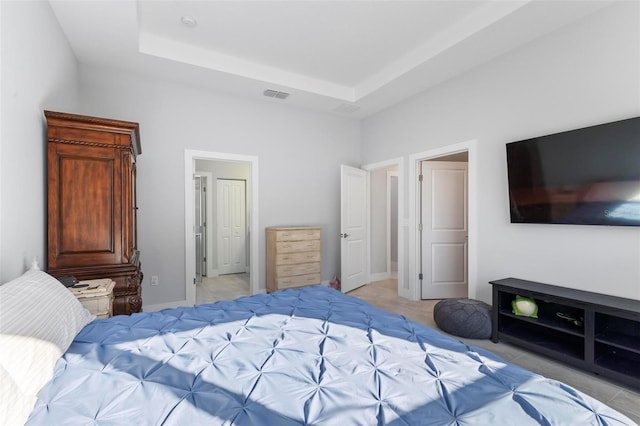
x,y
301,356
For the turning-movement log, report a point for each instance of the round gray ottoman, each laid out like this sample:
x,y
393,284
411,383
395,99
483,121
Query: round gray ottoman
x,y
464,317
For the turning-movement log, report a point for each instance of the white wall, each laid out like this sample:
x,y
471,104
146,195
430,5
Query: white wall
x,y
299,154
39,71
585,74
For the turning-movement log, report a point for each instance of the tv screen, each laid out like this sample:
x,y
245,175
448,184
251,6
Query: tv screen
x,y
588,176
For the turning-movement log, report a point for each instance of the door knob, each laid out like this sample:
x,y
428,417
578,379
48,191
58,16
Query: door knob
x,y
345,235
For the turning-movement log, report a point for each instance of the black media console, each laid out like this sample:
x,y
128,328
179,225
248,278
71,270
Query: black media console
x,y
596,332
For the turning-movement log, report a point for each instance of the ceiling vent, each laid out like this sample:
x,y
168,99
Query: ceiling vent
x,y
275,94
347,108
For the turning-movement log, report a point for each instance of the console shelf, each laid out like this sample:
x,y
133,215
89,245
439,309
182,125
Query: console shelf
x,y
596,332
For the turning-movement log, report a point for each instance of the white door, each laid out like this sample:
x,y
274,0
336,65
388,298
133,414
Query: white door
x,y
444,229
354,214
200,210
232,237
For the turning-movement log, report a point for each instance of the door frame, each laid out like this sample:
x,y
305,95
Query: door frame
x,y
414,211
404,289
190,157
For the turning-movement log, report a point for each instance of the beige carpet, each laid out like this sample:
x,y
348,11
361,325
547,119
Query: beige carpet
x,y
384,294
223,287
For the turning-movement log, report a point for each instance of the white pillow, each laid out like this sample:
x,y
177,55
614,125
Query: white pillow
x,y
14,405
39,318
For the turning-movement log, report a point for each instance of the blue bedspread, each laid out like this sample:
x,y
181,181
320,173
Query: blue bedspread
x,y
309,356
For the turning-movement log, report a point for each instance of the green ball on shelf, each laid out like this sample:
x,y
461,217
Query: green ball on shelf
x,y
524,306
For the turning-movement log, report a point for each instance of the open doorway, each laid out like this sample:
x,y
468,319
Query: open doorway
x,y
222,263
387,229
393,223
222,243
384,223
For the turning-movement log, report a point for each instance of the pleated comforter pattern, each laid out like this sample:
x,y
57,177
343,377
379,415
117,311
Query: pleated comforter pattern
x,y
310,356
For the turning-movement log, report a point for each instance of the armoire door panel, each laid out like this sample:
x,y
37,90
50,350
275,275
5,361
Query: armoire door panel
x,y
88,218
92,229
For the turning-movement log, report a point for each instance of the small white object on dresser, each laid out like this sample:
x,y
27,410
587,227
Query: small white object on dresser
x,y
97,297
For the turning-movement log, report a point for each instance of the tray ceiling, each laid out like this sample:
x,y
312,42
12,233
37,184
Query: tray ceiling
x,y
348,57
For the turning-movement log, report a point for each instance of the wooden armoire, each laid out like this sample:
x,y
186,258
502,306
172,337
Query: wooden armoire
x,y
92,208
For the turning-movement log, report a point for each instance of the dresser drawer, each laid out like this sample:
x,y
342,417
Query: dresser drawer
x,y
298,269
299,281
293,257
284,247
100,306
298,257
297,234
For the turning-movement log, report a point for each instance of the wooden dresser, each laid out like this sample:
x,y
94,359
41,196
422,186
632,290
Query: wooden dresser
x,y
293,257
92,212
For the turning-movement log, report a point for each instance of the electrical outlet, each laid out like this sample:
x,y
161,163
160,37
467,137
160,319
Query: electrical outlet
x,y
154,280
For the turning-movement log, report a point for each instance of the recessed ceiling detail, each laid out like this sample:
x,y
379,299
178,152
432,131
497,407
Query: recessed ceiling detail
x,y
345,57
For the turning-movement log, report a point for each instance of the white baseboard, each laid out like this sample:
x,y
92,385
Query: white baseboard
x,y
379,276
161,306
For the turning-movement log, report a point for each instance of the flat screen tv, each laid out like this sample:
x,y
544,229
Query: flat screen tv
x,y
588,176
